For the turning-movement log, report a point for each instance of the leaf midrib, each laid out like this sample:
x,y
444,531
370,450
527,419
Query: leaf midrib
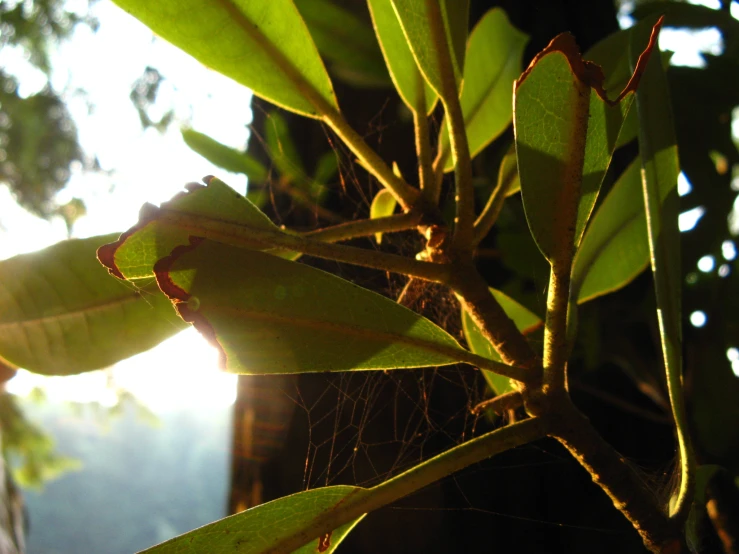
x,y
69,314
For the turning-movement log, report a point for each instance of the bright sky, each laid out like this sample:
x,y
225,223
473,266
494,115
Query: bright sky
x,y
146,167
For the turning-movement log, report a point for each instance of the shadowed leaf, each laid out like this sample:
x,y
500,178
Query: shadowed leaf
x,y
346,41
566,130
615,248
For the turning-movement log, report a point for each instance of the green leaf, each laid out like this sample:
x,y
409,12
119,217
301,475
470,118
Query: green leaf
x,y
615,248
326,168
493,63
61,313
566,130
612,54
398,56
262,44
282,149
225,157
417,19
660,169
383,205
259,529
134,254
526,321
269,315
346,41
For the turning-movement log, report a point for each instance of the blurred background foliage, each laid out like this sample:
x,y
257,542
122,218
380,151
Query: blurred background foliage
x,y
38,138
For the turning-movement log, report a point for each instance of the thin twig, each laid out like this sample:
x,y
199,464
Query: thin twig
x,y
266,238
366,227
363,501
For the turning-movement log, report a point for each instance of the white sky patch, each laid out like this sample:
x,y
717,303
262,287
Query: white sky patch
x,y
683,184
728,250
698,319
139,167
688,220
688,44
706,264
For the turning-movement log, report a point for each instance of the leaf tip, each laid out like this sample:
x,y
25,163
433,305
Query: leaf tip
x,y
641,63
587,72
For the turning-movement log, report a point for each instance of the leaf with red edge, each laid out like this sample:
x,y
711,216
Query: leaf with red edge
x,y
269,315
566,130
134,254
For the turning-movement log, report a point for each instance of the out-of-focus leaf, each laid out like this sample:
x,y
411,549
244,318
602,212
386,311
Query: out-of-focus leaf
x,y
134,254
346,41
416,19
566,131
493,63
71,212
225,157
398,56
660,168
262,44
30,451
257,530
615,248
282,149
61,313
326,168
269,315
526,322
38,143
383,205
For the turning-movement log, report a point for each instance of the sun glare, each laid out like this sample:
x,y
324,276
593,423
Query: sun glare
x,y
139,166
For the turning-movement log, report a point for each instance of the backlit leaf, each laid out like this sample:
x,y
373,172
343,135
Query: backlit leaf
x,y
615,248
566,130
269,315
134,254
225,157
259,529
493,63
262,44
383,205
61,313
398,56
526,322
416,19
